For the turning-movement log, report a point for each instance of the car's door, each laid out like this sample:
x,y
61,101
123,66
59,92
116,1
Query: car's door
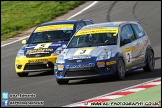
x,y
143,40
127,43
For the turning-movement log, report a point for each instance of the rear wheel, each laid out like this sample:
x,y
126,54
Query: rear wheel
x,y
62,82
22,74
150,62
120,69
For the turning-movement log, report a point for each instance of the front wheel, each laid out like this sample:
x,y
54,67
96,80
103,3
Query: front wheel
x,y
22,74
62,82
150,62
120,69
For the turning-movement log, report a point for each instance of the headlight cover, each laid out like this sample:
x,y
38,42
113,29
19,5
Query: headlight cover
x,y
20,54
60,59
104,55
58,51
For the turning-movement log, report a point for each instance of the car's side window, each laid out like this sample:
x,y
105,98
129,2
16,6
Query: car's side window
x,y
88,22
138,30
79,25
126,33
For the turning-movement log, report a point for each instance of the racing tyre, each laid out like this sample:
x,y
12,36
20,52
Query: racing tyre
x,y
62,82
150,62
22,74
120,69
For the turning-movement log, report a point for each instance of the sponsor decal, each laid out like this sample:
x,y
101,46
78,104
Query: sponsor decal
x,y
127,49
80,66
127,65
37,60
83,51
134,49
80,57
54,27
45,50
55,45
146,42
110,63
97,30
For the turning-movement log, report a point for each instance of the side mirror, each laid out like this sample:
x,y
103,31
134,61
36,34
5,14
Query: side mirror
x,y
126,41
23,42
63,46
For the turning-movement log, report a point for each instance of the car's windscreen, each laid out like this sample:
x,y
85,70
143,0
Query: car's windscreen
x,y
94,37
52,33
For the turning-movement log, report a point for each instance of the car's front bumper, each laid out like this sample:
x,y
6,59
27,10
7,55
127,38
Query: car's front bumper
x,y
38,64
91,69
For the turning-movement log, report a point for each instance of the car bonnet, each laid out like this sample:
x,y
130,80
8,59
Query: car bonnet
x,y
47,47
86,51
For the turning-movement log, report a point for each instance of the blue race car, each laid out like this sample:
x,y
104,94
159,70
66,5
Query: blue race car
x,y
103,49
44,45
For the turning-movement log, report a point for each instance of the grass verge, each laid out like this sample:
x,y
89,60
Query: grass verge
x,y
20,15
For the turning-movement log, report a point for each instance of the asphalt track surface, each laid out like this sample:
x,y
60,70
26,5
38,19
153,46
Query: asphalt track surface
x,y
44,85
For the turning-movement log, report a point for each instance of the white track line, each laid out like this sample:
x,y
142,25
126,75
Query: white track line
x,y
67,19
83,10
14,41
74,104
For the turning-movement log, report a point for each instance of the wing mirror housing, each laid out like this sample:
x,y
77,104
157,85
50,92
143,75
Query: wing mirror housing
x,y
23,42
63,46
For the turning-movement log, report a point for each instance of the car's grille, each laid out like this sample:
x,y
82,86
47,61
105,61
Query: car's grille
x,y
80,60
38,55
80,73
34,66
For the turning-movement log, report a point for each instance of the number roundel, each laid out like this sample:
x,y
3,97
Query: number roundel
x,y
42,45
128,55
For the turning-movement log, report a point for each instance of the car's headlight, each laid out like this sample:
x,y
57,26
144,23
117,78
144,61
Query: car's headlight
x,y
60,59
104,55
20,54
58,51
